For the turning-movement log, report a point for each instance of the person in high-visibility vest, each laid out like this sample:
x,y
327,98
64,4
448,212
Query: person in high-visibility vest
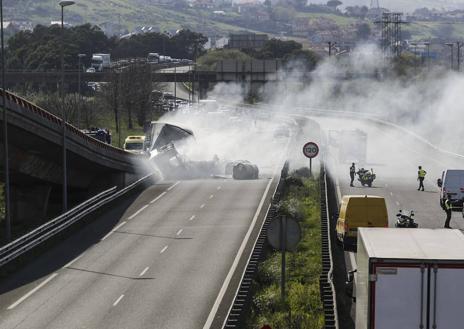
x,y
420,177
448,210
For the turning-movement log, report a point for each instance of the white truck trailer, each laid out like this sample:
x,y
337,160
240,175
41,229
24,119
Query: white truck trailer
x,y
101,62
409,278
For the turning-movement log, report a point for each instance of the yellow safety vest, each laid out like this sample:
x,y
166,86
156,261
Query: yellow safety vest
x,y
422,173
448,205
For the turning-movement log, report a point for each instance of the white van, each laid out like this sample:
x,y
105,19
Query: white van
x,y
452,183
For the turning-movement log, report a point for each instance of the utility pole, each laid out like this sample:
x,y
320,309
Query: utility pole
x,y
5,136
79,103
459,46
331,44
63,4
451,45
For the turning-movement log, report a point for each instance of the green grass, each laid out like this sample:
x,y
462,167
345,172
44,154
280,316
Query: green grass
x,y
302,308
338,19
129,13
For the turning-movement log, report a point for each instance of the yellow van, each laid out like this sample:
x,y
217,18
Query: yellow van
x,y
134,144
359,211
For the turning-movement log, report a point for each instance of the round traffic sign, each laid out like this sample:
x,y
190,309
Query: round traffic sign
x,y
292,233
311,150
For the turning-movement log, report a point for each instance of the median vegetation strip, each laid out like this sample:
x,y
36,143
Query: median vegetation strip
x,y
302,307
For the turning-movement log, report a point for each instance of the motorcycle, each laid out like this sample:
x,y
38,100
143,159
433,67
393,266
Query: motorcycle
x,y
405,221
366,177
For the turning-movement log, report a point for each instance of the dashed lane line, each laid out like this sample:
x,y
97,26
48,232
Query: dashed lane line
x,y
30,293
192,218
202,206
144,271
118,300
164,249
179,232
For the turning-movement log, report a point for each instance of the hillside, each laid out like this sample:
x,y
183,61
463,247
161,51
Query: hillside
x,y
117,15
404,5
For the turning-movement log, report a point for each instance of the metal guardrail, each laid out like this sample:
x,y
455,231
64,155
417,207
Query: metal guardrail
x,y
242,300
34,238
38,111
327,288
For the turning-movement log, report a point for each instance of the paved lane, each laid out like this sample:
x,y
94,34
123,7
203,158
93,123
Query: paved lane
x,y
395,157
160,264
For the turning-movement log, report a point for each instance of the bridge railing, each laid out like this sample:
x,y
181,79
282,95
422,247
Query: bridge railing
x,y
36,237
38,111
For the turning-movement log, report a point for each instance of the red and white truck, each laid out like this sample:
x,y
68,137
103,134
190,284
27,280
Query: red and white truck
x,y
409,278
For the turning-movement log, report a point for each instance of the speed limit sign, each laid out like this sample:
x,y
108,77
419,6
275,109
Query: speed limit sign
x,y
311,150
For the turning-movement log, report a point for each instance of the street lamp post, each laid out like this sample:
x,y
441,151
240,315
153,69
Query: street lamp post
x,y
64,3
459,46
427,44
415,55
79,103
451,45
5,136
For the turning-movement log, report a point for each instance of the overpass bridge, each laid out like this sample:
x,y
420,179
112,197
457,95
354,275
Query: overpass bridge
x,y
35,159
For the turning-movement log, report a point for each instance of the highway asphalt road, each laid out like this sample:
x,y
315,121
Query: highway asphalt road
x,y
395,158
156,261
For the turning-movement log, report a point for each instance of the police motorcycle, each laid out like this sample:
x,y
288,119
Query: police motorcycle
x,y
405,221
366,177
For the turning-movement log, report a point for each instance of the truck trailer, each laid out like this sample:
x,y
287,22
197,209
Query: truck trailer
x,y
101,62
409,278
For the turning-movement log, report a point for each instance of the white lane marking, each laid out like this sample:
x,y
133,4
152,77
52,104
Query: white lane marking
x,y
397,203
118,300
30,293
386,185
158,197
172,186
202,206
164,249
211,196
391,194
144,271
113,230
73,261
192,218
137,212
219,188
226,283
179,232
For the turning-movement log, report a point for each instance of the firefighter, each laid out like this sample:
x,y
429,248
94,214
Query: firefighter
x,y
420,177
448,210
352,173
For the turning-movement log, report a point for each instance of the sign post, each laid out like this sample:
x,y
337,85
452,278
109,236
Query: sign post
x,y
284,234
310,150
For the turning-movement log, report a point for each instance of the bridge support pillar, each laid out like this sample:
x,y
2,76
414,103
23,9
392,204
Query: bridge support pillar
x,y
29,203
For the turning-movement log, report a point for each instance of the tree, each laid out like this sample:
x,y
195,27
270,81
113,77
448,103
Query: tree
x,y
209,60
364,31
307,58
334,4
277,49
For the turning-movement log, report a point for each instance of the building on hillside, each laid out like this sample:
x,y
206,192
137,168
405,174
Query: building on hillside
x,y
247,41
